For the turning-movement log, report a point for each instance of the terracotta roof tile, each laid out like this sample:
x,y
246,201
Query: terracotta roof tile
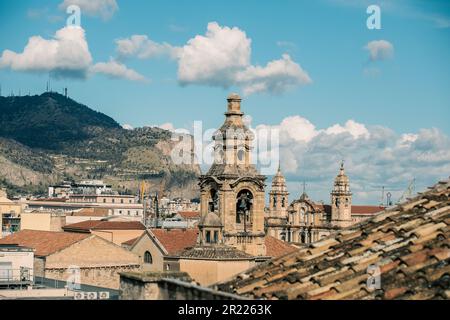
x,y
366,209
87,226
410,244
91,212
394,293
44,242
189,214
175,240
276,248
130,242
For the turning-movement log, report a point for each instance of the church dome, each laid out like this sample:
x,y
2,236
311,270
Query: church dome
x,y
210,220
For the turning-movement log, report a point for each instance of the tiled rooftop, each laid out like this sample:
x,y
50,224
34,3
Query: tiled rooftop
x,y
91,212
130,242
276,248
86,226
175,240
216,252
409,243
189,214
44,242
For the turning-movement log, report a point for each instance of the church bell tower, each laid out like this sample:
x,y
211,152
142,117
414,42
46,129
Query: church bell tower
x,y
233,189
341,200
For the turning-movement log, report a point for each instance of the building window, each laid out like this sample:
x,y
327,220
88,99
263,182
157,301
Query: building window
x,y
129,212
148,257
302,237
113,200
104,200
216,236
208,236
121,200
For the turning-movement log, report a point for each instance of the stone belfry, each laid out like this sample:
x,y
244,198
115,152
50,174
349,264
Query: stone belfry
x,y
233,189
341,200
278,204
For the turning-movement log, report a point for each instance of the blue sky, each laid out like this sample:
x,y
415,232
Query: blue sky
x,y
406,92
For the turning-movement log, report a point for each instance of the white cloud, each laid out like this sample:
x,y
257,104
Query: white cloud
x,y
355,129
276,77
103,8
221,57
214,58
66,55
375,156
115,69
380,50
143,48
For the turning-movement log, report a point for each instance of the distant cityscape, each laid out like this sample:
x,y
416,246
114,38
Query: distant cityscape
x,y
228,157
86,240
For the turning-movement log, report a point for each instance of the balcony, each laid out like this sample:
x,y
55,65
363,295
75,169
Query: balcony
x,y
16,277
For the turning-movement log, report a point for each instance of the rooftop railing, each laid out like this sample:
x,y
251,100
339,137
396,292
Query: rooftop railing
x,y
20,276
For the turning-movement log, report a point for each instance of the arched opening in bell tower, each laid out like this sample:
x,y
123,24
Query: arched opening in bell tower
x,y
244,208
213,202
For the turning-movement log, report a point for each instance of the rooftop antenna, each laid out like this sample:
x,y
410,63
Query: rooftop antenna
x,y
65,92
388,199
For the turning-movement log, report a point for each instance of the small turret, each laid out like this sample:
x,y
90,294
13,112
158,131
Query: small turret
x,y
341,200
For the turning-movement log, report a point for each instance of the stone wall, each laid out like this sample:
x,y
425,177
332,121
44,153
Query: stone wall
x,y
166,286
100,262
106,277
208,272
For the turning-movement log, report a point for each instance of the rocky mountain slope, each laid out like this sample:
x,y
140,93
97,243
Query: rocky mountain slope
x,y
48,138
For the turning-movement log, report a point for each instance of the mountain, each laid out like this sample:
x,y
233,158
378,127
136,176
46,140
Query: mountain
x,y
49,137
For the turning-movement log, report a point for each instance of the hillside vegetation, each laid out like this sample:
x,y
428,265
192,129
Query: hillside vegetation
x,y
47,138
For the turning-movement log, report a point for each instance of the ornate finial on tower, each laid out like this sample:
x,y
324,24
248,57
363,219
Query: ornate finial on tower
x,y
234,103
342,170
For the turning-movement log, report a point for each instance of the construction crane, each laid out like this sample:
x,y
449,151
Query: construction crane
x,y
408,192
